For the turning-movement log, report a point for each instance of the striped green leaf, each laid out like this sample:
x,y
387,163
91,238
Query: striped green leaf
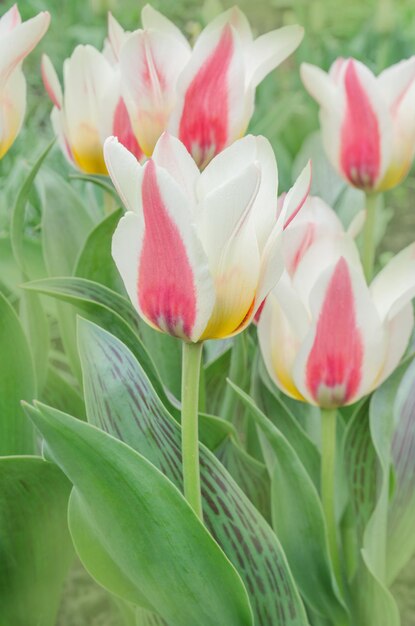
x,y
121,400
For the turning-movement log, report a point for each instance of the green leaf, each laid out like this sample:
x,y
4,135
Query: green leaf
x,y
95,261
373,603
251,475
66,224
268,399
167,354
120,400
216,371
145,526
401,516
19,212
60,393
35,547
298,519
106,308
17,382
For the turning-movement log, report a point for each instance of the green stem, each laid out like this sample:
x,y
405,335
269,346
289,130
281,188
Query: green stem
x,y
328,484
369,235
192,357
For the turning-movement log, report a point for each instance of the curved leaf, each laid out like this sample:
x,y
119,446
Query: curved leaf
x,y
145,525
120,399
401,516
17,382
35,547
95,261
298,519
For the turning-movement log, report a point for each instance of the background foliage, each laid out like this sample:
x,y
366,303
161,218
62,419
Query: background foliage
x,y
379,32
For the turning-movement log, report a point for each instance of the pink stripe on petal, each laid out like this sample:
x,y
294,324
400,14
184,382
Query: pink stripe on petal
x,y
205,117
166,288
360,136
49,90
123,130
305,243
334,365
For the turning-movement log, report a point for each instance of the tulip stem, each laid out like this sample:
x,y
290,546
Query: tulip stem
x,y
192,357
328,484
369,235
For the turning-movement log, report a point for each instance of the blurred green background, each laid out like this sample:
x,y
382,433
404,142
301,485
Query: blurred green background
x,y
377,32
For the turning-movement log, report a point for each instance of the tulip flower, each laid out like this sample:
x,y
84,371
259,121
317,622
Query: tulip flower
x,y
198,253
89,110
367,122
325,336
204,96
17,40
91,107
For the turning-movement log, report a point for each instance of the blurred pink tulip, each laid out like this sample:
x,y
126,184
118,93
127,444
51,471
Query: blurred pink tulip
x,y
151,80
17,40
325,336
367,122
199,252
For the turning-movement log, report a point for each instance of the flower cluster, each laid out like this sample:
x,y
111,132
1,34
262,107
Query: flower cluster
x,y
151,80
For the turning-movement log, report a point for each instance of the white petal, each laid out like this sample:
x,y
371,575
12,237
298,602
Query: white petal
x,y
51,81
394,286
270,50
150,18
12,109
398,331
126,173
151,62
295,198
171,154
280,339
16,44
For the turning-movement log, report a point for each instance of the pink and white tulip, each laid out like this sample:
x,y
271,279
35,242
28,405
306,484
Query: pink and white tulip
x,y
17,40
325,336
199,252
216,89
91,106
367,122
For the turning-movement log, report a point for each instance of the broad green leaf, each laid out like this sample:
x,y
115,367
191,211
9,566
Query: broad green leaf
x,y
145,525
147,618
120,400
361,468
66,224
401,516
17,382
35,546
298,519
95,261
373,603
